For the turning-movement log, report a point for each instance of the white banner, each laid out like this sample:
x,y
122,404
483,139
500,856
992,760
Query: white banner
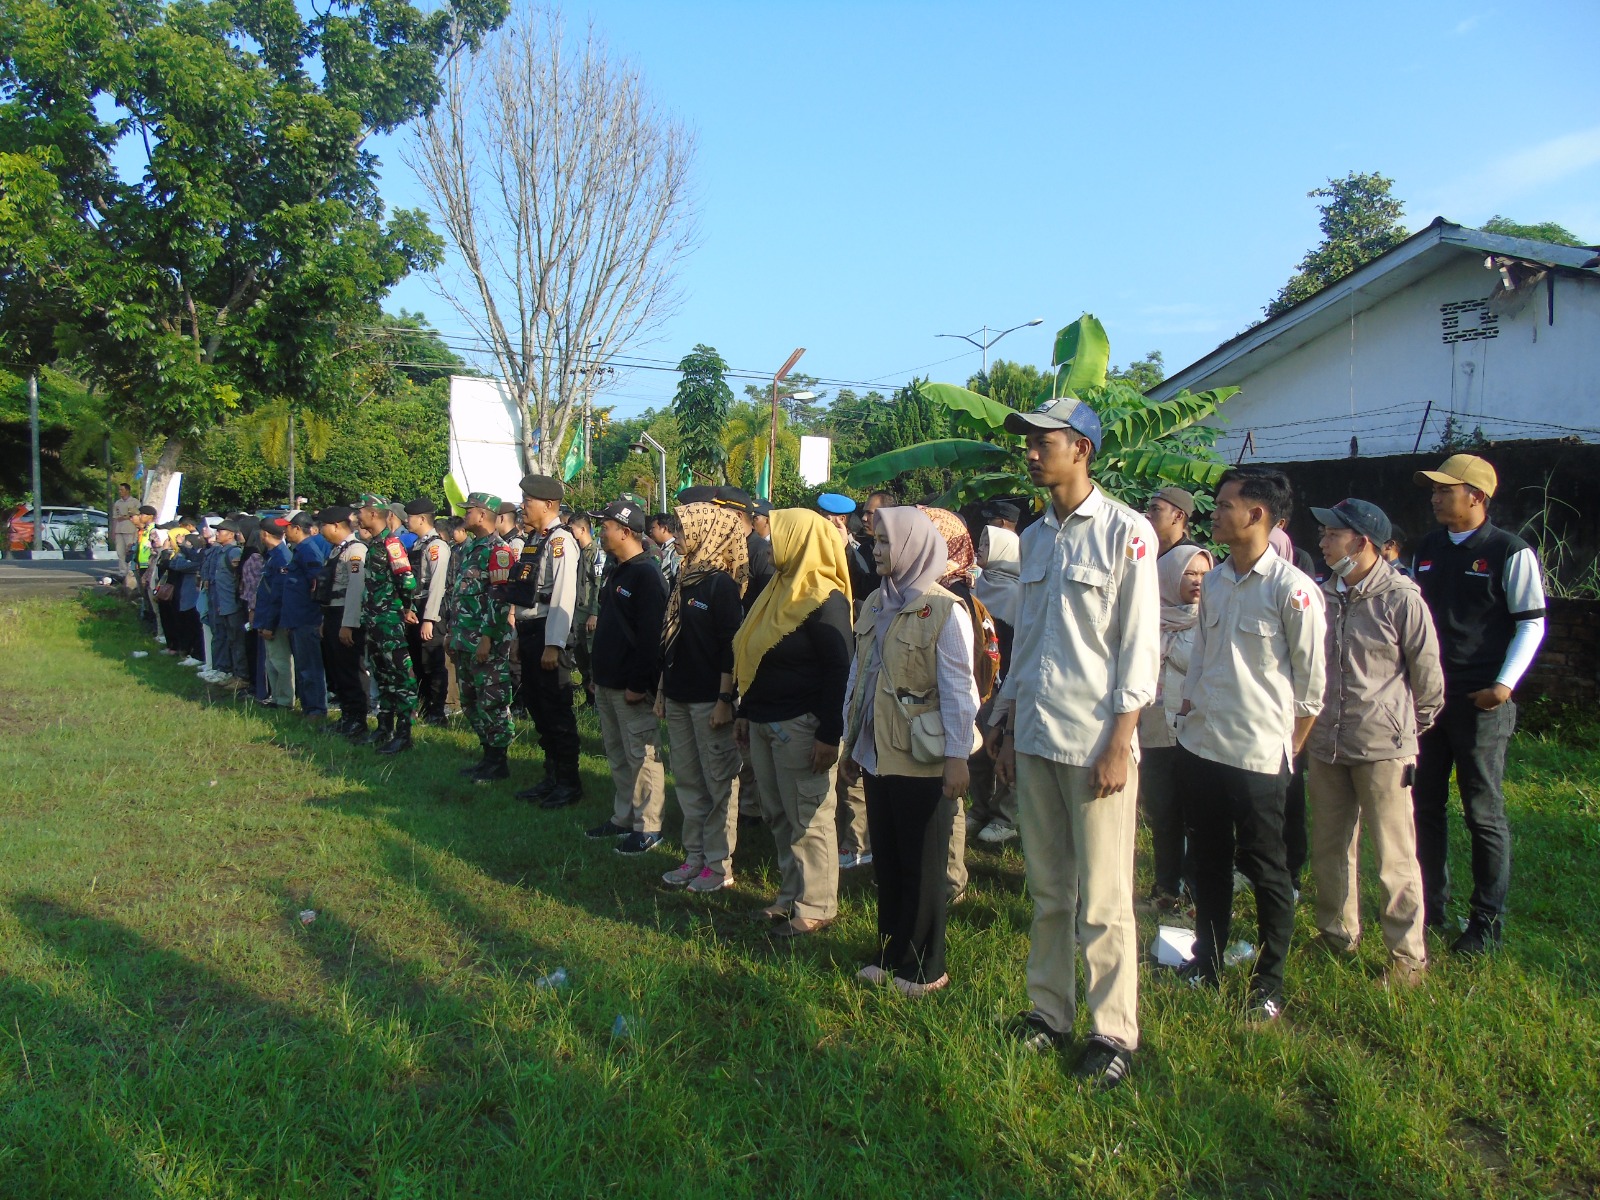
x,y
816,459
485,437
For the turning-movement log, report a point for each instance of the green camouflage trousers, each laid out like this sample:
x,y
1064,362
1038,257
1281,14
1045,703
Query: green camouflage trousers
x,y
486,695
390,658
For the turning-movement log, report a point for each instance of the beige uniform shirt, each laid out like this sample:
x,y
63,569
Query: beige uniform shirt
x,y
122,514
1088,632
1257,665
558,578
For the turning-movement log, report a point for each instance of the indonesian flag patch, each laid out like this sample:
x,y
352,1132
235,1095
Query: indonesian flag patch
x,y
1136,549
1299,600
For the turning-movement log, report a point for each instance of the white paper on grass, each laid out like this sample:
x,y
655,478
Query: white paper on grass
x,y
1173,946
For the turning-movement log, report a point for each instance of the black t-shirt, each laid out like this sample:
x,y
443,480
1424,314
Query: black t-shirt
x,y
627,635
759,551
708,617
1477,592
806,672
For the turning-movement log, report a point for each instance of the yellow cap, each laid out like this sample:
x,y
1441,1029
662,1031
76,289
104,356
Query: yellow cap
x,y
1462,468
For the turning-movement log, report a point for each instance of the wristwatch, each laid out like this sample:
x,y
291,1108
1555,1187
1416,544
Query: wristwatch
x,y
725,697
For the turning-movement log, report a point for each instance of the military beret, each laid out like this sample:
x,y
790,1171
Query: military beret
x,y
422,507
700,494
836,505
335,514
542,487
484,500
368,500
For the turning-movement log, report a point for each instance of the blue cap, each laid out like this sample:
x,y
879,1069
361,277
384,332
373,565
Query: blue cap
x,y
1359,516
1066,413
836,505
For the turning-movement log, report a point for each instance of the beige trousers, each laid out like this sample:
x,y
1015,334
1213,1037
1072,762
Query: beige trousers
x,y
850,818
1079,856
955,871
280,668
630,732
798,805
1344,797
705,774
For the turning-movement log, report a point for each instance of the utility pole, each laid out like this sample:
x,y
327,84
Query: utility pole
x,y
33,428
291,456
772,439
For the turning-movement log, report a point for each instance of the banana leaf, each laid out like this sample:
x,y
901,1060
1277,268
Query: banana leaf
x,y
956,454
1152,422
986,413
1152,462
1083,352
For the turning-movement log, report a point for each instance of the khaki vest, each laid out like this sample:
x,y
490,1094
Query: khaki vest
x,y
911,661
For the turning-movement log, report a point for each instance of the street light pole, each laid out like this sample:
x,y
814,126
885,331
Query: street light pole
x,y
772,439
989,341
645,440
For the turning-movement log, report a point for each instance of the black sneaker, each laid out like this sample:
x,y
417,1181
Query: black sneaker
x,y
638,843
1102,1063
1034,1032
1197,974
608,830
1482,935
1263,1009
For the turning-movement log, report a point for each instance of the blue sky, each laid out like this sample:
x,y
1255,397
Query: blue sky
x,y
869,175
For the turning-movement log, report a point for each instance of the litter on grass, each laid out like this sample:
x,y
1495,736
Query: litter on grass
x,y
1173,946
141,654
620,1029
556,979
1238,953
307,915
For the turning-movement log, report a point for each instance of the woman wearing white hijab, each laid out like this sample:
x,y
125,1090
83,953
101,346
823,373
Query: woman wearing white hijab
x,y
1180,571
913,660
992,811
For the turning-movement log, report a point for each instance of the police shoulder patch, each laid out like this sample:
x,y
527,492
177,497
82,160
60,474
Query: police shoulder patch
x,y
433,552
558,547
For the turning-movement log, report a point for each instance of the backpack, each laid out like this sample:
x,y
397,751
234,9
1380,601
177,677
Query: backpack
x,y
985,648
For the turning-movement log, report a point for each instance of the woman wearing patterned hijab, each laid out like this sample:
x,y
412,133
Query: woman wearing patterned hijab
x,y
913,657
696,694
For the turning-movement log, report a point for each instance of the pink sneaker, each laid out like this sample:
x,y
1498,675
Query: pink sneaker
x,y
680,875
710,881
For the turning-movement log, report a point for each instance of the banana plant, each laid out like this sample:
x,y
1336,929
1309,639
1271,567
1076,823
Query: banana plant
x,y
1145,443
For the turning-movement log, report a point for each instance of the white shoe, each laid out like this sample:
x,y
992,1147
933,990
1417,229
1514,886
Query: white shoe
x,y
863,860
997,834
191,661
160,641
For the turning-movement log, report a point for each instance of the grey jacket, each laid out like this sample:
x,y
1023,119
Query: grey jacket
x,y
1385,685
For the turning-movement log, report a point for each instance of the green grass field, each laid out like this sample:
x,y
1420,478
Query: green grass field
x,y
169,1027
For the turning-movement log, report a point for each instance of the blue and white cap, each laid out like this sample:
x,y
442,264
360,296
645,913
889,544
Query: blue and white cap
x,y
1066,413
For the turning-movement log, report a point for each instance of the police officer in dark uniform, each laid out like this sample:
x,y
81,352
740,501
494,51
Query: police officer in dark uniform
x,y
544,580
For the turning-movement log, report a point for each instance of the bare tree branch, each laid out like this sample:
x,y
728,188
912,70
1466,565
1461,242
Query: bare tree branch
x,y
565,193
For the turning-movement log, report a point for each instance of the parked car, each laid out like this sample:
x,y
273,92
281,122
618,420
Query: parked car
x,y
58,522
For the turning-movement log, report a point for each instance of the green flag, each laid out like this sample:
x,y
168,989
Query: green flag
x,y
573,463
764,484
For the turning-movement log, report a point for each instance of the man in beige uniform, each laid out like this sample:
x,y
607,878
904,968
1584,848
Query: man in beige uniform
x,y
123,530
1084,663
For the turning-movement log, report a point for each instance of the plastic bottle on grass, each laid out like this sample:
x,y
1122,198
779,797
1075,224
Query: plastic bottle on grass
x,y
556,979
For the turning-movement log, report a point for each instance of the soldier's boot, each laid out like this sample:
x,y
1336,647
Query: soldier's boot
x,y
436,718
494,766
483,756
536,793
352,725
568,789
402,736
381,734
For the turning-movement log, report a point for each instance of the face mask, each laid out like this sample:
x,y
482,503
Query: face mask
x,y
1343,567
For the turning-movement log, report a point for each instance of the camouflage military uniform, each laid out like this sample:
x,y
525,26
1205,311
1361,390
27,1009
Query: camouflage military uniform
x,y
475,613
386,592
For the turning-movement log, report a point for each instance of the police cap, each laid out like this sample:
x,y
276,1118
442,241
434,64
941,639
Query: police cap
x,y
421,507
335,514
542,487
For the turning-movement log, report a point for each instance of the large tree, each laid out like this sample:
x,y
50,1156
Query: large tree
x,y
1360,220
701,406
565,194
203,217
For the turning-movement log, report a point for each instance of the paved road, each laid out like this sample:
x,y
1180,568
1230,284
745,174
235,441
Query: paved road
x,y
49,577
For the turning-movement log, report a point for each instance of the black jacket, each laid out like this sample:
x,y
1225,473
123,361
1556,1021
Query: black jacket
x,y
806,672
627,634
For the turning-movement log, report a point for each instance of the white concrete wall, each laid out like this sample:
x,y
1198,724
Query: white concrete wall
x,y
1533,380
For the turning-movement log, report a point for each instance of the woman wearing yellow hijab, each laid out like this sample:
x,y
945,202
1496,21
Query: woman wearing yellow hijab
x,y
791,661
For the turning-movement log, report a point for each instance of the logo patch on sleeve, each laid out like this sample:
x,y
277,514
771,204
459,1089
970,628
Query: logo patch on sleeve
x,y
558,547
1299,600
1136,548
433,553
